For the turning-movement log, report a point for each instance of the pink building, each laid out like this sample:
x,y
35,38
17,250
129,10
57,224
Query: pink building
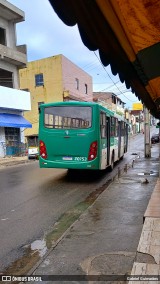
x,y
77,84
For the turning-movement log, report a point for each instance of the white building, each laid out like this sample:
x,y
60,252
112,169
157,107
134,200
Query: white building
x,y
12,101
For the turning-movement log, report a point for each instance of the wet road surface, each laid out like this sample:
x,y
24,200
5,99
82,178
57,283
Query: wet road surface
x,y
33,199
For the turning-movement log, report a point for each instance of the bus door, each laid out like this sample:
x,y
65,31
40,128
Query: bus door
x,y
126,133
108,127
119,139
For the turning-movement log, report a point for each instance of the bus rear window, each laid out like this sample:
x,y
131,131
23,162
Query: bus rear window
x,y
67,117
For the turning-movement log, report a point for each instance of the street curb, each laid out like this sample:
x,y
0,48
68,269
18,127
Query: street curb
x,y
33,269
7,164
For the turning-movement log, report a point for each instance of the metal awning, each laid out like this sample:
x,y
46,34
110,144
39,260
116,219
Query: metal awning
x,y
13,120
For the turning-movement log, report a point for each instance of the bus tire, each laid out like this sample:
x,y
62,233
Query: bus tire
x,y
112,162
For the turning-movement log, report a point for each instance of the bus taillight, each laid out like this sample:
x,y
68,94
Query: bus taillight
x,y
92,151
42,150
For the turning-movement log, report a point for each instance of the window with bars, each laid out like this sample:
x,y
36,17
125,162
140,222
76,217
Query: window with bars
x,y
12,136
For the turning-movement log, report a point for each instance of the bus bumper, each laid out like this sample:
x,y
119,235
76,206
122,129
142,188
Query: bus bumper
x,y
69,164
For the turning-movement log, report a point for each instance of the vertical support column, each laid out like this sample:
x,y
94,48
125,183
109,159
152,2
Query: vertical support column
x,y
159,153
159,138
147,146
139,121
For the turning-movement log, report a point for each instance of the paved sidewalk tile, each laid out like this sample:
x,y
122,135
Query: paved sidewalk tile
x,y
150,238
144,271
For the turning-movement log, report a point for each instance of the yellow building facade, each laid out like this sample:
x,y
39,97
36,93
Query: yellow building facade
x,y
53,79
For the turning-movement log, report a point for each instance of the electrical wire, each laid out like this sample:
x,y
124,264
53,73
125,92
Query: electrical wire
x,y
114,84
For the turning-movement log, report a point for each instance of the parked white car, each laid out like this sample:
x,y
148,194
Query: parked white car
x,y
33,152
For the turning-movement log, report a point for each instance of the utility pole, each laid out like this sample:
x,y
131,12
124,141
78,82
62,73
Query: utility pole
x,y
147,145
158,126
139,121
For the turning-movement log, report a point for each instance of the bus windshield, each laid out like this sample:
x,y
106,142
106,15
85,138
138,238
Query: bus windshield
x,y
68,117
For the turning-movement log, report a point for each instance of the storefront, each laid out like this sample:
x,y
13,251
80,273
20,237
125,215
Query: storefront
x,y
11,131
13,103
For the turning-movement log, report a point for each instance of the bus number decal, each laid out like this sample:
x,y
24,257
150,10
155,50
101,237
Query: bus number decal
x,y
81,159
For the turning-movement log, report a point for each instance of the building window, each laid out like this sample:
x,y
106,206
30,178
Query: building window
x,y
6,78
86,89
77,84
2,36
39,80
40,103
32,141
113,99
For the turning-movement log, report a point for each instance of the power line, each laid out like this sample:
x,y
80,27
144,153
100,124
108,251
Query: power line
x,y
91,63
109,86
114,84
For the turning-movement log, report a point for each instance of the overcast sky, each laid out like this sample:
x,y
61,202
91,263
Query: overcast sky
x,y
46,35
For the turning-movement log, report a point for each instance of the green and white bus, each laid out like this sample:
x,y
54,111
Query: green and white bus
x,y
80,135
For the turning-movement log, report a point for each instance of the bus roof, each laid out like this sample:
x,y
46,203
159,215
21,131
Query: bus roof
x,y
68,103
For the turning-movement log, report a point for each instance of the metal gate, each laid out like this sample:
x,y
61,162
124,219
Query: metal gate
x,y
13,145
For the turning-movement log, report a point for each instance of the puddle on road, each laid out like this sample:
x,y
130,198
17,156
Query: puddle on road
x,y
137,156
40,246
151,173
33,253
23,265
126,181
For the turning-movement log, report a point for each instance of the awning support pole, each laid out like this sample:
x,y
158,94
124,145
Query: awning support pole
x,y
147,143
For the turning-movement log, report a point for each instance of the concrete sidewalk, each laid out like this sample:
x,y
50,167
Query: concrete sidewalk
x,y
106,241
12,161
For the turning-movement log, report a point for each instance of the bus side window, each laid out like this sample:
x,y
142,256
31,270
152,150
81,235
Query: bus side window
x,y
46,119
50,120
116,127
103,124
112,127
122,128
